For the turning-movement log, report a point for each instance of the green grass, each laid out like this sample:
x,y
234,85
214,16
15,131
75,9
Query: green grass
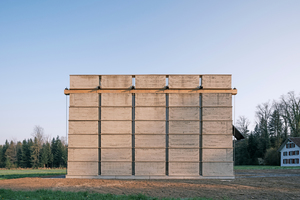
x,y
258,167
49,194
21,173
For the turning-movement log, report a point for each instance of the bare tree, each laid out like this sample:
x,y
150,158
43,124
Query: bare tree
x,y
38,133
291,112
242,125
264,111
38,138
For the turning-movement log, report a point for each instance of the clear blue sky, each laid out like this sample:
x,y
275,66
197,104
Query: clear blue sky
x,y
43,42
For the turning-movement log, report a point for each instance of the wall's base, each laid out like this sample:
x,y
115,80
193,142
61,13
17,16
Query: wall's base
x,y
151,177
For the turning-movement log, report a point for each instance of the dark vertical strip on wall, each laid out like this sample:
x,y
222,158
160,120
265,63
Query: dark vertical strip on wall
x,y
99,135
200,128
167,134
133,134
99,131
200,134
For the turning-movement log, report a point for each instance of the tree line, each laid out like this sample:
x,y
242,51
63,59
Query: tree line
x,y
34,152
275,122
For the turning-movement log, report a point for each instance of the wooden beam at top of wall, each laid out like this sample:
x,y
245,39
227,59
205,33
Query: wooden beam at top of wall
x,y
162,91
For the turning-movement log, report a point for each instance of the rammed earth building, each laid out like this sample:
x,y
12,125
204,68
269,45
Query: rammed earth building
x,y
150,126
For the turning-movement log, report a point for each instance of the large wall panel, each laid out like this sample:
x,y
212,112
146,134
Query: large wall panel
x,y
116,154
116,168
150,82
150,127
116,99
217,153
217,127
150,113
83,141
184,100
150,168
84,81
82,154
148,99
216,81
84,99
116,81
116,113
184,81
83,127
115,140
116,127
184,169
184,127
164,126
184,141
83,168
80,113
150,141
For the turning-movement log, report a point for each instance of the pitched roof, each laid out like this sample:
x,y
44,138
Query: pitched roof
x,y
236,133
296,140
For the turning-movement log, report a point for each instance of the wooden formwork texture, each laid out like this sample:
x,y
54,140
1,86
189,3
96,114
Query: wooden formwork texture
x,y
217,149
83,129
143,126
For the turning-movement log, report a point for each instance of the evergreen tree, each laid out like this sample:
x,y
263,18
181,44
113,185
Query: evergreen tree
x,y
11,155
58,153
275,129
4,148
46,156
1,156
26,154
35,154
19,154
291,112
252,149
241,153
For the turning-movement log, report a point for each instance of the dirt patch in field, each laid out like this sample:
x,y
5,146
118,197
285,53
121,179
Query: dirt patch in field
x,y
249,184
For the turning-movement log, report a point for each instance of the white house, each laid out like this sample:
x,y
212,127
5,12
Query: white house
x,y
289,152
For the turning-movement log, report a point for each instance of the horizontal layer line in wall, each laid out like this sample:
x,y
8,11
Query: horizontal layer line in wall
x,y
75,147
83,106
83,133
223,120
213,120
156,161
217,162
186,134
163,91
217,106
144,120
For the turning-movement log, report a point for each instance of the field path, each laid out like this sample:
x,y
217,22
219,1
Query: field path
x,y
249,184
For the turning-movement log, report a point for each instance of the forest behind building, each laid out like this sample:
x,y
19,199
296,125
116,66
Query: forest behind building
x,y
275,122
38,151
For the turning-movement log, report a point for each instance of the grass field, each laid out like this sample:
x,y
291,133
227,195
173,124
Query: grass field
x,y
21,173
261,167
49,194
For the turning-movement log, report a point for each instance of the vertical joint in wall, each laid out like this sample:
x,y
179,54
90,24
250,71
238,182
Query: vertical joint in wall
x,y
167,134
200,135
133,134
99,136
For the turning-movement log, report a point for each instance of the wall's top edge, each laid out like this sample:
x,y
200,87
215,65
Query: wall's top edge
x,y
150,74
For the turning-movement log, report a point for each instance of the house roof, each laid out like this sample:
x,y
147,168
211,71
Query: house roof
x,y
236,133
296,140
